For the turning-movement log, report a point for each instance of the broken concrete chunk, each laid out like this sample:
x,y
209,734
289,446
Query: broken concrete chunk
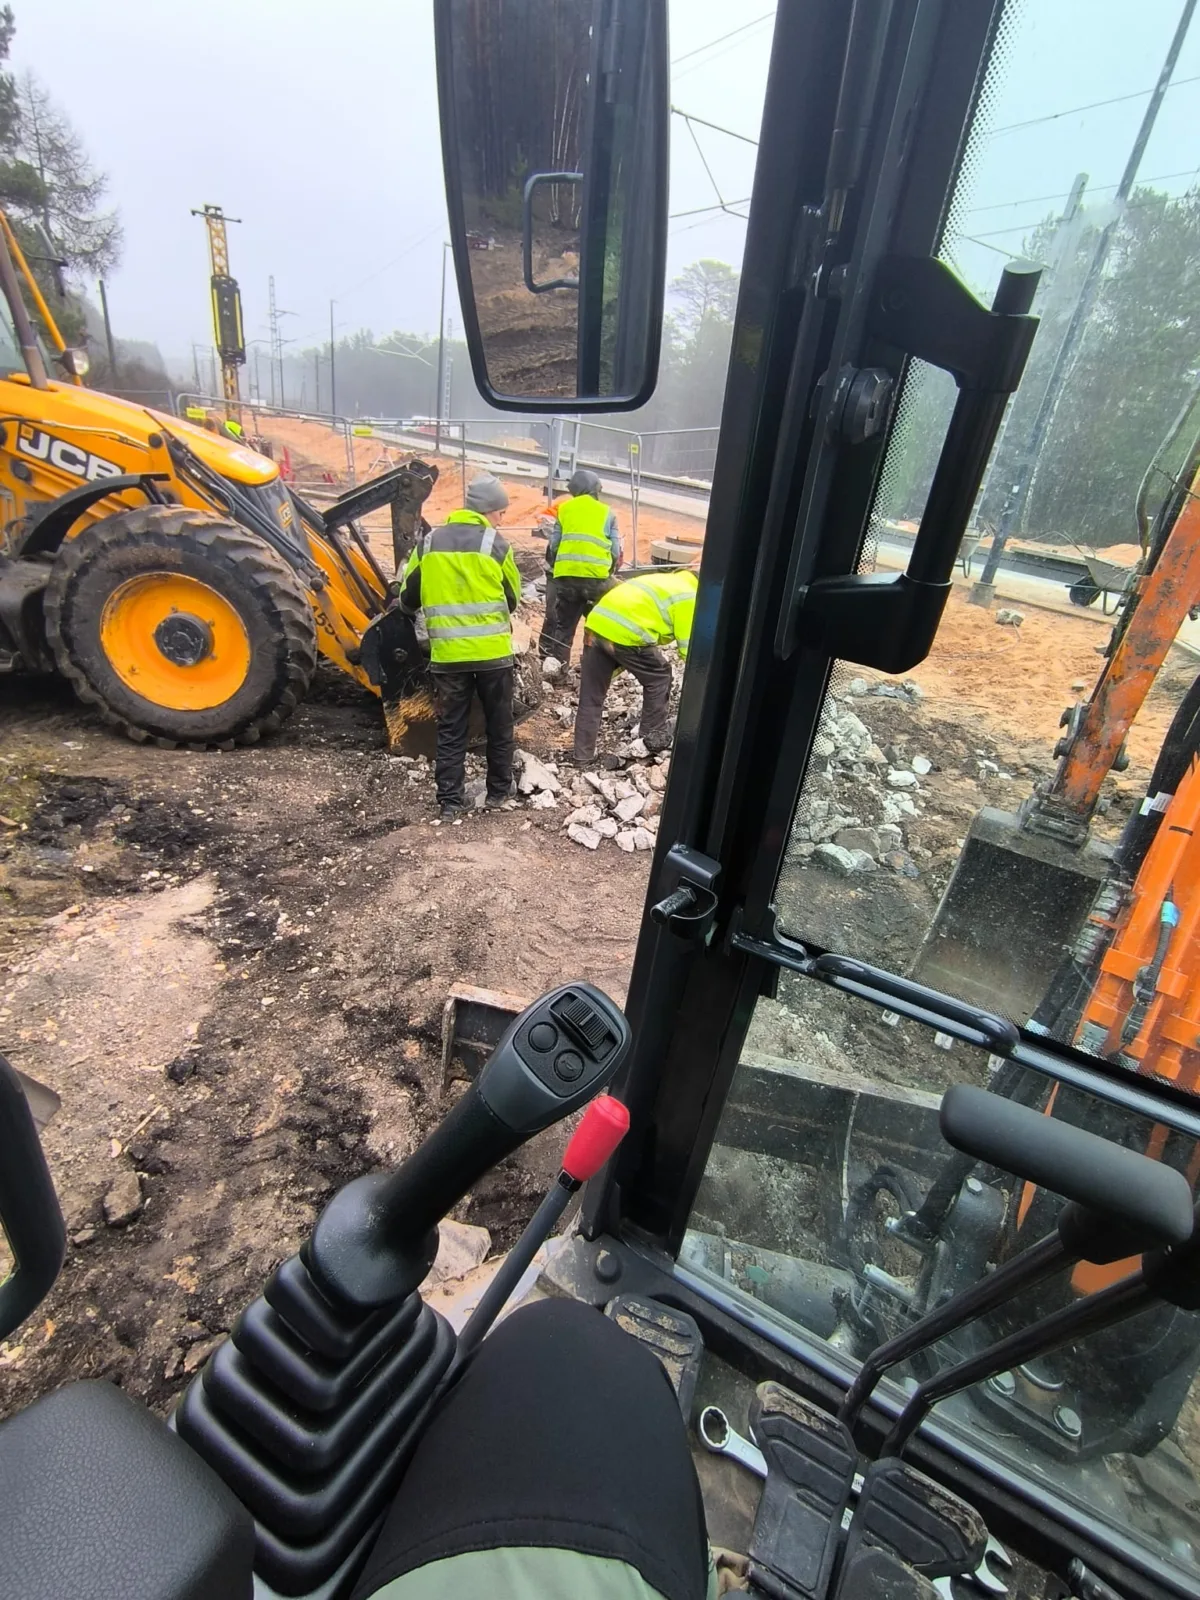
x,y
607,828
643,839
921,765
835,859
864,861
823,746
535,775
638,750
124,1200
858,839
901,780
588,837
901,862
625,841
609,791
857,686
594,781
657,778
551,667
461,1248
585,816
543,801
631,806
891,836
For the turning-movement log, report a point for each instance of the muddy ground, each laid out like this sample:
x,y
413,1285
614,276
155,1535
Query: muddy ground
x,y
231,968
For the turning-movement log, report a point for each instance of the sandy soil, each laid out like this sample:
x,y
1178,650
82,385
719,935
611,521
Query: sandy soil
x,y
232,969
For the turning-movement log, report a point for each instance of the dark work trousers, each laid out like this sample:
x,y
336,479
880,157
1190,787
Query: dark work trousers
x,y
562,1437
601,661
455,690
573,598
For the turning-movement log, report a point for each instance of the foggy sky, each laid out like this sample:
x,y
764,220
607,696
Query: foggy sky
x,y
317,125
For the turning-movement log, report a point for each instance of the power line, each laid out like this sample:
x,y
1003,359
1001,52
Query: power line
x,y
1039,199
723,205
715,126
701,48
1094,105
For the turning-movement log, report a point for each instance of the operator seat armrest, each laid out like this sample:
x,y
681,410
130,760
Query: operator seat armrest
x,y
99,1500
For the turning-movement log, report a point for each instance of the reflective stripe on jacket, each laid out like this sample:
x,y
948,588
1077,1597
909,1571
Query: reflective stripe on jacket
x,y
650,610
465,580
585,548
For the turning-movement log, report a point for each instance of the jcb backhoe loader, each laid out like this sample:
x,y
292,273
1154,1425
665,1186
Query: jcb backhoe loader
x,y
168,572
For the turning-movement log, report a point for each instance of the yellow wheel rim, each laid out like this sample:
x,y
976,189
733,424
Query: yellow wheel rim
x,y
175,641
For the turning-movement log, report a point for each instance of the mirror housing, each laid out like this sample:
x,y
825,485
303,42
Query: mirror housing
x,y
555,118
29,1209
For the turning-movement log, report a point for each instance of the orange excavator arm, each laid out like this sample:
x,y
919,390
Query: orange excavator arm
x,y
1153,614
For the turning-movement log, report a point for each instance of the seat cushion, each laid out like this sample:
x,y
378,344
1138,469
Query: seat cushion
x,y
100,1501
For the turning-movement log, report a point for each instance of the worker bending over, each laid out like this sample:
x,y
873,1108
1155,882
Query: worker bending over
x,y
583,553
464,579
627,630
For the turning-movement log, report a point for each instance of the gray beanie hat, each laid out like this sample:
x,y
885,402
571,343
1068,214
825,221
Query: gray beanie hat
x,y
486,493
584,482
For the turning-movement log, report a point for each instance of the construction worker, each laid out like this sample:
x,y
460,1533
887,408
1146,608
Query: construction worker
x,y
627,629
547,522
584,551
464,579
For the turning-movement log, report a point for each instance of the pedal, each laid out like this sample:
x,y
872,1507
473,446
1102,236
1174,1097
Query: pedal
x,y
902,1511
672,1336
811,1463
876,1574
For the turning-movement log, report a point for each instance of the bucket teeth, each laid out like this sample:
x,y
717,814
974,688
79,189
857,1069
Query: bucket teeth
x,y
408,722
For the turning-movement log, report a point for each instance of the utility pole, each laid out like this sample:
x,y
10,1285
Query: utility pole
x,y
441,366
226,309
332,369
108,333
273,325
1068,351
196,368
317,380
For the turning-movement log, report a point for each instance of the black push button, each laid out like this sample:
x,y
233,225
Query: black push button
x,y
568,1066
543,1037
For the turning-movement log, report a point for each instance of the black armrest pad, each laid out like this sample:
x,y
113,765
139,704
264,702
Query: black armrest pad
x,y
100,1501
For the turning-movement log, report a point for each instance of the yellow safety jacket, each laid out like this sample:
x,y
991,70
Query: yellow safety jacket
x,y
465,580
650,610
585,550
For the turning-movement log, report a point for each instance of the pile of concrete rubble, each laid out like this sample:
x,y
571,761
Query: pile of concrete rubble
x,y
621,805
859,797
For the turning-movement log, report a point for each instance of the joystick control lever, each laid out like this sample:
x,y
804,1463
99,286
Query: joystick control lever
x,y
376,1239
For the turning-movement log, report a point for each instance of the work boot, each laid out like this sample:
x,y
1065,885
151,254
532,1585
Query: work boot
x,y
500,802
450,814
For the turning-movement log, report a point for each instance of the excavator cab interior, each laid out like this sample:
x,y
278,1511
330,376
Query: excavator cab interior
x,y
912,1038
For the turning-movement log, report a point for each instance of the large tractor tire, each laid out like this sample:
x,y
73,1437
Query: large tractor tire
x,y
181,627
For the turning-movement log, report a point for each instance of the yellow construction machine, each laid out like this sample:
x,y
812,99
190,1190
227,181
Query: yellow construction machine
x,y
168,572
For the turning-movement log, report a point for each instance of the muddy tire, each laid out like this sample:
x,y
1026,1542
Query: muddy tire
x,y
181,627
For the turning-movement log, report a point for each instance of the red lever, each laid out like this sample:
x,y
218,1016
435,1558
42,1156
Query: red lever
x,y
605,1123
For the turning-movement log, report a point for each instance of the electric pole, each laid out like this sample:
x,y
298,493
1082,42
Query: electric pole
x,y
317,381
332,369
1068,351
273,325
108,333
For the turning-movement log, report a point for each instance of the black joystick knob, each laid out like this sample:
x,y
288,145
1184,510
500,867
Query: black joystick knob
x,y
375,1239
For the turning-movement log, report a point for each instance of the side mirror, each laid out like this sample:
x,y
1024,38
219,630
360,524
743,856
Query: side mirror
x,y
75,362
29,1211
555,117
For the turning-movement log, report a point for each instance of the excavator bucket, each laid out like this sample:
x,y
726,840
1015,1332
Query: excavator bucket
x,y
397,662
1009,914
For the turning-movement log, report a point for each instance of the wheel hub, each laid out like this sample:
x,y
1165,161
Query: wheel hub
x,y
183,639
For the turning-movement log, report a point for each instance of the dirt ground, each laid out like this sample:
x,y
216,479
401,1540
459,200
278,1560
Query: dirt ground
x,y
231,968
